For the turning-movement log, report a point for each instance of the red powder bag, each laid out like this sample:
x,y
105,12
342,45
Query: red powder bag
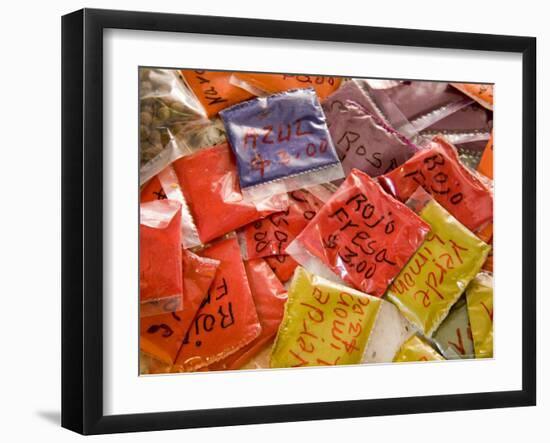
x,y
161,336
211,188
361,234
165,185
160,278
272,83
269,297
271,235
213,89
283,266
227,319
486,163
440,173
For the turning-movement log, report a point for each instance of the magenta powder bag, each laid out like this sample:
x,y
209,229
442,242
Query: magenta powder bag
x,y
365,142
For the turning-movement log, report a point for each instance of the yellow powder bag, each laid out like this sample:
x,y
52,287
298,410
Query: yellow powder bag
x,y
437,274
416,349
479,297
324,323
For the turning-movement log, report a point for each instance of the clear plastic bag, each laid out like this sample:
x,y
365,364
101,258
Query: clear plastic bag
x,y
160,271
479,297
281,143
361,234
454,336
165,104
417,349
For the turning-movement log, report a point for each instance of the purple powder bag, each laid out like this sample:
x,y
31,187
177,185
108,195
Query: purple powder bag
x,y
365,142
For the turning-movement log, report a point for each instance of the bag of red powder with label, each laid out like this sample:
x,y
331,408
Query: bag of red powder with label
x,y
440,173
165,185
210,185
281,143
271,235
161,335
361,235
270,297
226,320
160,271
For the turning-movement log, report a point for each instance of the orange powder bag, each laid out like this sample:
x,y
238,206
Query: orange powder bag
x,y
485,166
211,188
160,278
161,336
481,93
439,171
227,319
213,89
272,83
269,297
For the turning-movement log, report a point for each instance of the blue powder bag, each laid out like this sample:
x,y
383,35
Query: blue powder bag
x,y
281,143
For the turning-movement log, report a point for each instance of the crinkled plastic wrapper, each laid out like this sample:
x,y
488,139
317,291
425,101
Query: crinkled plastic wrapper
x,y
165,185
211,189
481,93
160,277
390,331
417,349
272,83
269,297
361,234
440,173
364,142
435,277
161,336
214,90
479,296
271,235
281,143
324,324
227,319
454,336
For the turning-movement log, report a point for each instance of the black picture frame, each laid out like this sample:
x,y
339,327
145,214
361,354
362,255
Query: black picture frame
x,y
82,218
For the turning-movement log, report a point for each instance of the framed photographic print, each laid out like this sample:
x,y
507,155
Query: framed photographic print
x,y
271,221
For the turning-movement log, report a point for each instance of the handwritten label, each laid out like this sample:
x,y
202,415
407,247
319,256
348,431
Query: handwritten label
x,y
279,136
454,335
273,83
214,90
271,235
324,324
227,319
363,141
479,297
437,274
440,173
363,234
